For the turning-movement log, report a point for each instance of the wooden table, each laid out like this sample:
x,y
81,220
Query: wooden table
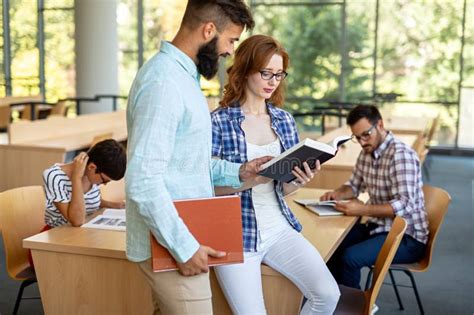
x,y
85,271
338,170
5,109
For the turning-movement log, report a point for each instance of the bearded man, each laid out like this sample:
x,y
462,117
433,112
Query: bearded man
x,y
169,152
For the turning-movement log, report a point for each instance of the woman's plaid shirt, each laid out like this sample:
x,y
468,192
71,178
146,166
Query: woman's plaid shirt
x,y
228,143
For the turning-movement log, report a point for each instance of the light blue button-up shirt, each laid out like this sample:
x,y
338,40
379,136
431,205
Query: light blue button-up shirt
x,y
169,154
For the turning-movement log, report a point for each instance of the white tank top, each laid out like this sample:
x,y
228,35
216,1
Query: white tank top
x,y
270,219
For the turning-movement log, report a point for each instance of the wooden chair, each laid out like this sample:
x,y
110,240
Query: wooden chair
x,y
432,130
59,109
113,191
429,139
21,216
423,156
436,204
354,301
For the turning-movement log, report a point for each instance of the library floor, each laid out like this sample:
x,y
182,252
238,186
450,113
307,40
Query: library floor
x,y
447,288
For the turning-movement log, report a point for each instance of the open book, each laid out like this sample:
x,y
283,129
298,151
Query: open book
x,y
307,150
110,219
321,208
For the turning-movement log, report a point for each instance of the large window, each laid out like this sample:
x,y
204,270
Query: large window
x,y
23,51
341,50
160,22
60,71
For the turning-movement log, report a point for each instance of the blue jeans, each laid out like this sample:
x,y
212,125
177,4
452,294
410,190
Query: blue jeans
x,y
360,249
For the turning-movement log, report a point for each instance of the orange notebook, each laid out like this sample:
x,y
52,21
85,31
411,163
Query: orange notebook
x,y
215,222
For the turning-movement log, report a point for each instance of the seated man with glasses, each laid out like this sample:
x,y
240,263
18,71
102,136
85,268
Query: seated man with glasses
x,y
389,170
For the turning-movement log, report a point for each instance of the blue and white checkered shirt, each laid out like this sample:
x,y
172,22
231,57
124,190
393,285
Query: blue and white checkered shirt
x,y
228,143
392,175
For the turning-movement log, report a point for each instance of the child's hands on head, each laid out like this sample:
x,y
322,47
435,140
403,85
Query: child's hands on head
x,y
80,163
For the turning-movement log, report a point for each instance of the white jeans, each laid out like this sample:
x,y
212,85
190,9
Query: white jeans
x,y
292,255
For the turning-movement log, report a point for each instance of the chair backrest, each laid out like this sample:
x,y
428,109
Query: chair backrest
x,y
432,130
423,155
59,109
436,205
21,216
113,191
384,260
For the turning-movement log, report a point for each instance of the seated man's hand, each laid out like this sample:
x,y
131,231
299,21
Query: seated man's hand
x,y
249,170
352,207
198,262
330,195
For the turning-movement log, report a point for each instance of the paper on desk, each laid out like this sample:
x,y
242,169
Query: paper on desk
x,y
110,219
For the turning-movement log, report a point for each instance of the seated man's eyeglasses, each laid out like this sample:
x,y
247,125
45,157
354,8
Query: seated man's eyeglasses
x,y
365,135
268,75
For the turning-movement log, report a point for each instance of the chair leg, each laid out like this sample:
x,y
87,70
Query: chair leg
x,y
418,300
23,285
369,278
394,285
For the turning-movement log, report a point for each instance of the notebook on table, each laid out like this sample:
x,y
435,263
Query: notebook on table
x,y
215,222
321,208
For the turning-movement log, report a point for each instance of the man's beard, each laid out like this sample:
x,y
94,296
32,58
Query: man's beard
x,y
208,59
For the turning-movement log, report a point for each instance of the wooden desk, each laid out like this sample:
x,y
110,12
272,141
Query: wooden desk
x,y
68,132
338,170
5,110
85,271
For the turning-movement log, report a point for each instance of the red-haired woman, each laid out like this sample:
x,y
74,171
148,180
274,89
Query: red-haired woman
x,y
250,123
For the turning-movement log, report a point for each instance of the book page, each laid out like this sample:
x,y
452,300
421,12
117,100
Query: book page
x,y
114,212
111,219
338,141
315,202
325,210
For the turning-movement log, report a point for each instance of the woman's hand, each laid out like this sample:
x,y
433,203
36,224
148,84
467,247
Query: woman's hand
x,y
304,177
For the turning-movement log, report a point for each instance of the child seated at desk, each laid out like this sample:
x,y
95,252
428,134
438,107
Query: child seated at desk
x,y
72,189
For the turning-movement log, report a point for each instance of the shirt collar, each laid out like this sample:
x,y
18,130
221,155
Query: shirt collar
x,y
180,57
385,143
236,113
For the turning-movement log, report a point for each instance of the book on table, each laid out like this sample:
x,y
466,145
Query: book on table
x,y
307,150
110,219
215,222
321,208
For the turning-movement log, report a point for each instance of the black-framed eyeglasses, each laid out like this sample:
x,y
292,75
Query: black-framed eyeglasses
x,y
365,135
268,75
103,179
